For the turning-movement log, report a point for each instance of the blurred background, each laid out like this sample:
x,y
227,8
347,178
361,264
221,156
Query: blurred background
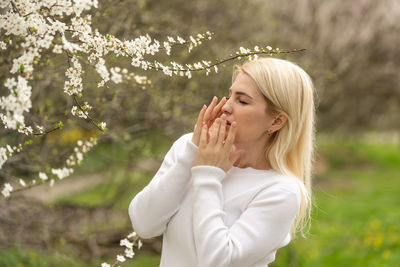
x,y
353,57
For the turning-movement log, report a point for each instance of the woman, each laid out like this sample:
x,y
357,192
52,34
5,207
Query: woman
x,y
238,188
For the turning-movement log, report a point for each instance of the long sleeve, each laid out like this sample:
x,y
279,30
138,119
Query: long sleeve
x,y
260,229
152,208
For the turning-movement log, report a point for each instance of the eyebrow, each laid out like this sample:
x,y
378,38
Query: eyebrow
x,y
240,93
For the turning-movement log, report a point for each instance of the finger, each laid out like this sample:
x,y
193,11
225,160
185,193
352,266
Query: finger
x,y
210,108
215,131
198,125
201,115
217,109
222,130
231,136
203,137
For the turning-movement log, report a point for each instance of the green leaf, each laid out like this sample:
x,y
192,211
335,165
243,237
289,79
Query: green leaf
x,y
21,68
60,124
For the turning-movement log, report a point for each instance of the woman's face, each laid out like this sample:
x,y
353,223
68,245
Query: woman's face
x,y
247,106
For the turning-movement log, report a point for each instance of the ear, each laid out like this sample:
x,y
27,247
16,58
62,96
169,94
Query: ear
x,y
279,121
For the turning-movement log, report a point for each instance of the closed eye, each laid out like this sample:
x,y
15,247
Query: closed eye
x,y
239,100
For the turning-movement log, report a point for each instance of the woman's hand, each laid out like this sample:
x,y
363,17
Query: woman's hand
x,y
217,150
207,116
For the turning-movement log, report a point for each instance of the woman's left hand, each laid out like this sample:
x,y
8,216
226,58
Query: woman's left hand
x,y
217,150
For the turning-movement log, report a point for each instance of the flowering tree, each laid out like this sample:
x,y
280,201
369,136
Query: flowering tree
x,y
36,35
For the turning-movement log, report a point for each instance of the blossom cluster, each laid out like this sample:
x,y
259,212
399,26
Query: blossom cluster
x,y
56,27
59,26
119,75
16,103
128,242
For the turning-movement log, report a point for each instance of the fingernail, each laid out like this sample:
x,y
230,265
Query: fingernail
x,y
204,106
215,98
205,126
223,117
233,124
217,120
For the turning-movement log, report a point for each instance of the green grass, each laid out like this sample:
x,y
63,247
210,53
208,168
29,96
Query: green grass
x,y
356,217
18,257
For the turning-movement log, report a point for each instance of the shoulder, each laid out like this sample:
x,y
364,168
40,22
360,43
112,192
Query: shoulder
x,y
184,139
182,145
283,188
288,183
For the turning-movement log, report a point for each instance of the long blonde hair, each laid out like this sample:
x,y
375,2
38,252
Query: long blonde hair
x,y
288,88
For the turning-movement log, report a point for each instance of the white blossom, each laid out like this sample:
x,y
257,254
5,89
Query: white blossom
x,y
43,176
136,62
115,76
167,47
102,71
215,68
62,173
103,125
79,157
57,49
132,235
129,253
244,50
22,182
3,156
3,45
7,190
16,103
120,258
125,242
8,187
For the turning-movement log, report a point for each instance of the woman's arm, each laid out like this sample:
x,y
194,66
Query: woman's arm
x,y
152,208
260,229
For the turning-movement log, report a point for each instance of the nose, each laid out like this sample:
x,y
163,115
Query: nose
x,y
227,108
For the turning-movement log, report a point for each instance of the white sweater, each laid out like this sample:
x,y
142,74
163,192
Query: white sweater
x,y
209,218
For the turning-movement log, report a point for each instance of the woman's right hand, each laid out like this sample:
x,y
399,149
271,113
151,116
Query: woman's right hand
x,y
207,116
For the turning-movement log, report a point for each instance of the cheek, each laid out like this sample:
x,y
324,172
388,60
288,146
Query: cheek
x,y
252,126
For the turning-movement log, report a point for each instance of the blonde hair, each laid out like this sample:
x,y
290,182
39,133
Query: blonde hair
x,y
288,88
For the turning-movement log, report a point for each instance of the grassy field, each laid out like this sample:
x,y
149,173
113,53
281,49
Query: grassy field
x,y
356,214
356,217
